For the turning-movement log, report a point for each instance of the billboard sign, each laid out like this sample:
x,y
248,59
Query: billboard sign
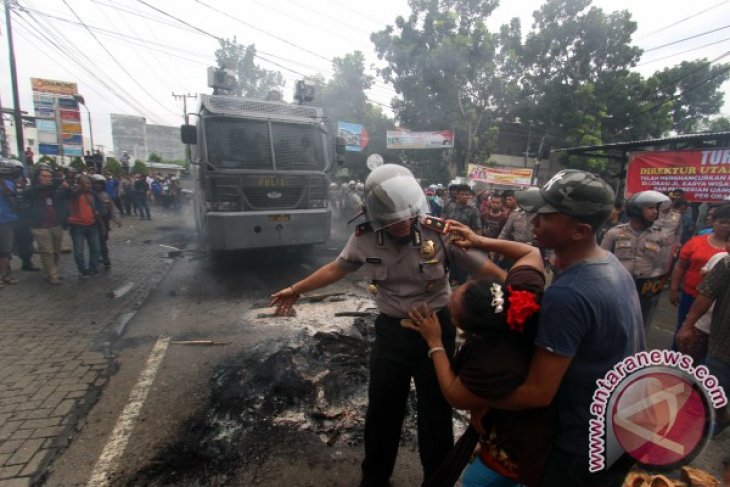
x,y
69,116
44,112
73,150
505,176
48,149
70,128
405,139
72,139
47,137
41,99
704,175
46,125
68,103
355,135
53,86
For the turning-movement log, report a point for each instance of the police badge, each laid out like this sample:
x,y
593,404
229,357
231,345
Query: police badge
x,y
428,249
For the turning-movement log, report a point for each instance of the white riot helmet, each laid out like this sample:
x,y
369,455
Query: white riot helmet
x,y
645,199
392,195
97,178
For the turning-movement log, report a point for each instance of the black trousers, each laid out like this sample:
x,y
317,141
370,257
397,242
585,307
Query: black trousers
x,y
398,355
23,241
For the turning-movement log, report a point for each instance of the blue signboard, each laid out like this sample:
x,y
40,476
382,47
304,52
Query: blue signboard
x,y
356,137
68,103
73,150
72,139
48,149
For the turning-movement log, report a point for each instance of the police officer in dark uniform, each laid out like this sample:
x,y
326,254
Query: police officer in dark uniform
x,y
405,255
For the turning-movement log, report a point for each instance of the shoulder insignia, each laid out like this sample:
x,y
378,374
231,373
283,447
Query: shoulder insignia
x,y
436,224
363,228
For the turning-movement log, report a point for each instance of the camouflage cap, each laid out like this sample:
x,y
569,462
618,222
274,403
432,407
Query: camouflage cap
x,y
572,192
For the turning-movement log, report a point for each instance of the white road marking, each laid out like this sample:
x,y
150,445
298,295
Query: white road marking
x,y
125,424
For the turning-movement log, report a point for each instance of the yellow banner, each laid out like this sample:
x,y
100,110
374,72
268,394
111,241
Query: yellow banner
x,y
513,176
56,87
70,128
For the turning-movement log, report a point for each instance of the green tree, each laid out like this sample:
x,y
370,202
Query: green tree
x,y
140,167
691,91
253,81
78,164
719,124
442,63
154,158
113,166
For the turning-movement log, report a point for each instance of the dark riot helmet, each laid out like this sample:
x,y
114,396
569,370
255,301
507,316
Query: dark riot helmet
x,y
10,168
392,195
645,199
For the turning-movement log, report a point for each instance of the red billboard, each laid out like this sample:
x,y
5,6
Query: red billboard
x,y
703,174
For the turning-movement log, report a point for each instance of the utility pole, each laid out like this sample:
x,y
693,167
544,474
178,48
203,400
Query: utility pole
x,y
14,81
3,137
186,117
185,104
529,140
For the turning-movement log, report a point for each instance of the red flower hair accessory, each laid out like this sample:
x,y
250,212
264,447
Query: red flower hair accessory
x,y
522,305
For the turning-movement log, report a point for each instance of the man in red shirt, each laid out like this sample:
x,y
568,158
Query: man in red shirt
x,y
85,208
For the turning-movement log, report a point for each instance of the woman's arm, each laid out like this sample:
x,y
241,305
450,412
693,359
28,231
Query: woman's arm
x,y
523,254
677,278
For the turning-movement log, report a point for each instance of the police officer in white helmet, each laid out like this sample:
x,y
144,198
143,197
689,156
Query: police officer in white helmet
x,y
405,255
643,248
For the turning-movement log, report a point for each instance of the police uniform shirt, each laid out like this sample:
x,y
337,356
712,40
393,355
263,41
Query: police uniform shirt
x,y
670,224
410,273
518,227
643,253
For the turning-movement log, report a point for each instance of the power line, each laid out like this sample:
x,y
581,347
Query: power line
x,y
299,19
116,61
60,40
150,68
220,40
662,29
702,66
688,38
359,14
263,31
684,52
687,90
32,31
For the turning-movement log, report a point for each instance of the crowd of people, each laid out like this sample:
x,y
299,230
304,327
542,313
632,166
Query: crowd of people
x,y
36,211
533,349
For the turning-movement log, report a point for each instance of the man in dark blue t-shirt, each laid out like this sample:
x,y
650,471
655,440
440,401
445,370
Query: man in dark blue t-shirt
x,y
590,320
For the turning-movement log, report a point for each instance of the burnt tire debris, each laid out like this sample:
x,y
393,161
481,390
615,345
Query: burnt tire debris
x,y
303,397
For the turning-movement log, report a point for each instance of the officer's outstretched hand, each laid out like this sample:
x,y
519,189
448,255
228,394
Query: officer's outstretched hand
x,y
284,301
461,235
424,321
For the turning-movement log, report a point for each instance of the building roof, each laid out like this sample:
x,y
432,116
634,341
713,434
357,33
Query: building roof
x,y
706,137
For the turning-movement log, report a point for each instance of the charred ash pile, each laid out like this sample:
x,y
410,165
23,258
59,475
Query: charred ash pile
x,y
305,395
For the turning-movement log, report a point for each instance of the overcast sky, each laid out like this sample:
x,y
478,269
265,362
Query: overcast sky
x,y
140,56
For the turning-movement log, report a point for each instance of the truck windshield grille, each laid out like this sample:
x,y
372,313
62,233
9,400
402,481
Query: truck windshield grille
x,y
246,144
